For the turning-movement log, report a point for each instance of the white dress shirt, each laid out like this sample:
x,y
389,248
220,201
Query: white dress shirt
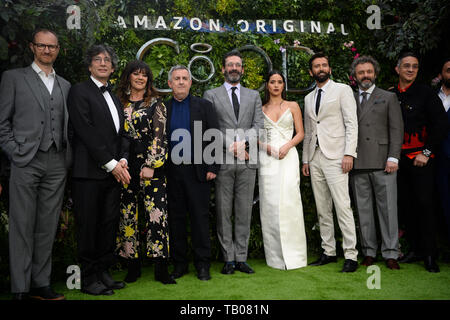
x,y
322,94
445,99
48,80
369,93
115,115
228,87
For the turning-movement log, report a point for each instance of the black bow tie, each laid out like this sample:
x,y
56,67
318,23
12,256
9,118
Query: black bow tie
x,y
105,88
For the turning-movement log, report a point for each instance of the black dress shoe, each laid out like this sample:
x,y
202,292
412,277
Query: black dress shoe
x,y
21,296
228,268
179,271
324,259
431,265
97,288
350,266
410,257
45,293
243,267
108,281
203,273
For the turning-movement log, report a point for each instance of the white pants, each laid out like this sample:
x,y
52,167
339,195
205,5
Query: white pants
x,y
330,185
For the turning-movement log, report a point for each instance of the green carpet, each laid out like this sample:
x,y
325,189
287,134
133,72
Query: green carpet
x,y
411,282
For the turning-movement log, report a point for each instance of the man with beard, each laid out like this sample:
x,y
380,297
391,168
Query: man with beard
x,y
34,136
374,176
329,147
443,159
240,115
425,125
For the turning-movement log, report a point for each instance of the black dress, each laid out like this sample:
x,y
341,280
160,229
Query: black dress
x,y
146,128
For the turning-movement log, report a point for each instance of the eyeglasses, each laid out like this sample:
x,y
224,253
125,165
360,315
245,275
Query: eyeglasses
x,y
408,66
100,59
41,46
231,64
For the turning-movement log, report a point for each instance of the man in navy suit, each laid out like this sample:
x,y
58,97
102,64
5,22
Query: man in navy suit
x,y
189,182
99,166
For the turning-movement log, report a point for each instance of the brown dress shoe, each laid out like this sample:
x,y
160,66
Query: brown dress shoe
x,y
392,264
368,261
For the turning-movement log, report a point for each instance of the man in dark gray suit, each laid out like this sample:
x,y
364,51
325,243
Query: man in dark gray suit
x,y
240,118
374,177
33,133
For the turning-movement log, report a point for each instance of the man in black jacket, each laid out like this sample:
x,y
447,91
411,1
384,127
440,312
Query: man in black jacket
x,y
189,175
425,127
99,166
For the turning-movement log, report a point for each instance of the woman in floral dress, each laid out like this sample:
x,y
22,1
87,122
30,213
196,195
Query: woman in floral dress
x,y
145,125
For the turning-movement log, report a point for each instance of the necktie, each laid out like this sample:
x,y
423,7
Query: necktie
x,y
235,102
318,101
105,88
364,99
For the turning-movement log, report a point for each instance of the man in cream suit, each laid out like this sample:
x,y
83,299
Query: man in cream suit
x,y
329,147
34,135
240,118
374,176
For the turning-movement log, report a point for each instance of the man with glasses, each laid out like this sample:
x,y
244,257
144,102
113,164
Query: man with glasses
x,y
33,133
239,113
425,126
99,168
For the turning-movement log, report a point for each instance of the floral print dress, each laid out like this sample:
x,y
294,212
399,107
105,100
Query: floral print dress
x,y
146,129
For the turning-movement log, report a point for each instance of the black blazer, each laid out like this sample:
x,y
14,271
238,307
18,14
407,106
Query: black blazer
x,y
92,132
203,111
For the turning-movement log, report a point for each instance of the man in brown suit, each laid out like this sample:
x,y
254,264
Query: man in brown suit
x,y
374,177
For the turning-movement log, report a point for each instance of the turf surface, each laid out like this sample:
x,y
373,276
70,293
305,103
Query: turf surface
x,y
411,282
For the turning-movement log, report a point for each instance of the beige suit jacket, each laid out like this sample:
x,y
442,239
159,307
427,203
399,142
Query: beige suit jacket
x,y
335,126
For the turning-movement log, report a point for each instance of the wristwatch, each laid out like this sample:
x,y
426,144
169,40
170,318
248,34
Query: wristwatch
x,y
426,152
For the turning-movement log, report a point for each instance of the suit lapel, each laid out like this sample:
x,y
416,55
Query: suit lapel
x,y
243,104
225,101
369,104
31,78
101,99
169,115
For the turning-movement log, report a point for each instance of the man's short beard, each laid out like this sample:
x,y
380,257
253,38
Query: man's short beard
x,y
323,78
365,85
232,78
446,83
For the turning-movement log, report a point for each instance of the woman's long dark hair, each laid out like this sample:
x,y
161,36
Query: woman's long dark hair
x,y
124,84
266,91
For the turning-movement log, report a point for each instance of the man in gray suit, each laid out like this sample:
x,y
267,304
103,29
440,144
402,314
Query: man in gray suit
x,y
374,176
33,133
240,118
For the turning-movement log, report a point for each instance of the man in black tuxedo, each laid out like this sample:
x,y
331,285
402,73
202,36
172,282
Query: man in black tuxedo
x,y
99,166
189,177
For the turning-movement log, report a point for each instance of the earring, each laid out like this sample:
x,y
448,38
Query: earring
x,y
128,91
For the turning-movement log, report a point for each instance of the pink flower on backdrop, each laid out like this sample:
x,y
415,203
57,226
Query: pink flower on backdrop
x,y
356,56
353,49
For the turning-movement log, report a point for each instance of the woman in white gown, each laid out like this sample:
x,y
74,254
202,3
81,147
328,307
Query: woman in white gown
x,y
281,207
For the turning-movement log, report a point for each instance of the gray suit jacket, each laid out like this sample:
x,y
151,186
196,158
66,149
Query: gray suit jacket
x,y
250,121
22,115
380,130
